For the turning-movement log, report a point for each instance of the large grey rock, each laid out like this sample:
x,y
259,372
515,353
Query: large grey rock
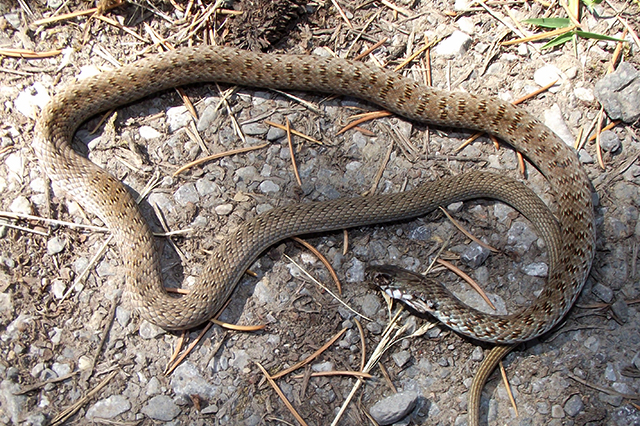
x,y
619,93
394,407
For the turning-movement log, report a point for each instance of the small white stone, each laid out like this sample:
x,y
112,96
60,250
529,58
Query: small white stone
x,y
87,71
269,186
454,45
148,132
58,288
584,94
224,209
32,99
21,205
547,75
554,120
15,165
466,25
55,245
177,118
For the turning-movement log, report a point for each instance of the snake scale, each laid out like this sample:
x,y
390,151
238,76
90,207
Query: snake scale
x,y
107,198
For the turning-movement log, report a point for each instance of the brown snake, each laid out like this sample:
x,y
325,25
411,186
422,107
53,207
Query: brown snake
x,y
107,198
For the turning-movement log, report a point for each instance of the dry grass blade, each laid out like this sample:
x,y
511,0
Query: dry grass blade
x,y
295,132
237,327
319,284
170,367
505,380
70,411
324,261
219,155
598,132
467,233
398,9
72,15
281,395
358,374
28,54
362,118
414,55
363,358
345,242
310,357
468,279
342,14
371,49
292,153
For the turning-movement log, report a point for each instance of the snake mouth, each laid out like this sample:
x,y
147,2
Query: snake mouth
x,y
403,285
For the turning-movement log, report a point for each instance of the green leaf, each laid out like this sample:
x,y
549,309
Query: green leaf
x,y
549,22
591,3
560,40
584,34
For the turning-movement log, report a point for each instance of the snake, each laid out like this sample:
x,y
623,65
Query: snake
x,y
572,235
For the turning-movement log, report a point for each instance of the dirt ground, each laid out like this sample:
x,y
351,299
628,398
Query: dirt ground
x,y
61,336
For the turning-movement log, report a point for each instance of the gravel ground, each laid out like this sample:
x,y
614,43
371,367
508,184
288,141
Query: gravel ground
x,y
584,372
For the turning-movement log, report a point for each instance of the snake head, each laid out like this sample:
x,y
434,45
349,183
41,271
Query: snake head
x,y
403,285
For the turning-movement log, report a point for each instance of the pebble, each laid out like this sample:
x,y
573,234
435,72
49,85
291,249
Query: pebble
x,y
224,209
603,292
148,132
554,120
466,25
61,369
536,269
592,343
394,408
585,157
502,211
621,310
254,129
149,331
557,412
584,94
547,75
177,118
610,142
275,133
619,93
123,316
454,45
323,366
474,255
187,380
161,407
12,404
55,245
401,358
477,354
21,205
186,194
31,100
15,166
105,269
207,117
206,187
573,406
455,207
268,186
370,305
355,273
521,236
108,408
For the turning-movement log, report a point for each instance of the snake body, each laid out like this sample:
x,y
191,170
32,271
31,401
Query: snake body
x,y
107,198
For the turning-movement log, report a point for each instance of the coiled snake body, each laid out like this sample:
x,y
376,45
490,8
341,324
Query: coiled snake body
x,y
106,197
